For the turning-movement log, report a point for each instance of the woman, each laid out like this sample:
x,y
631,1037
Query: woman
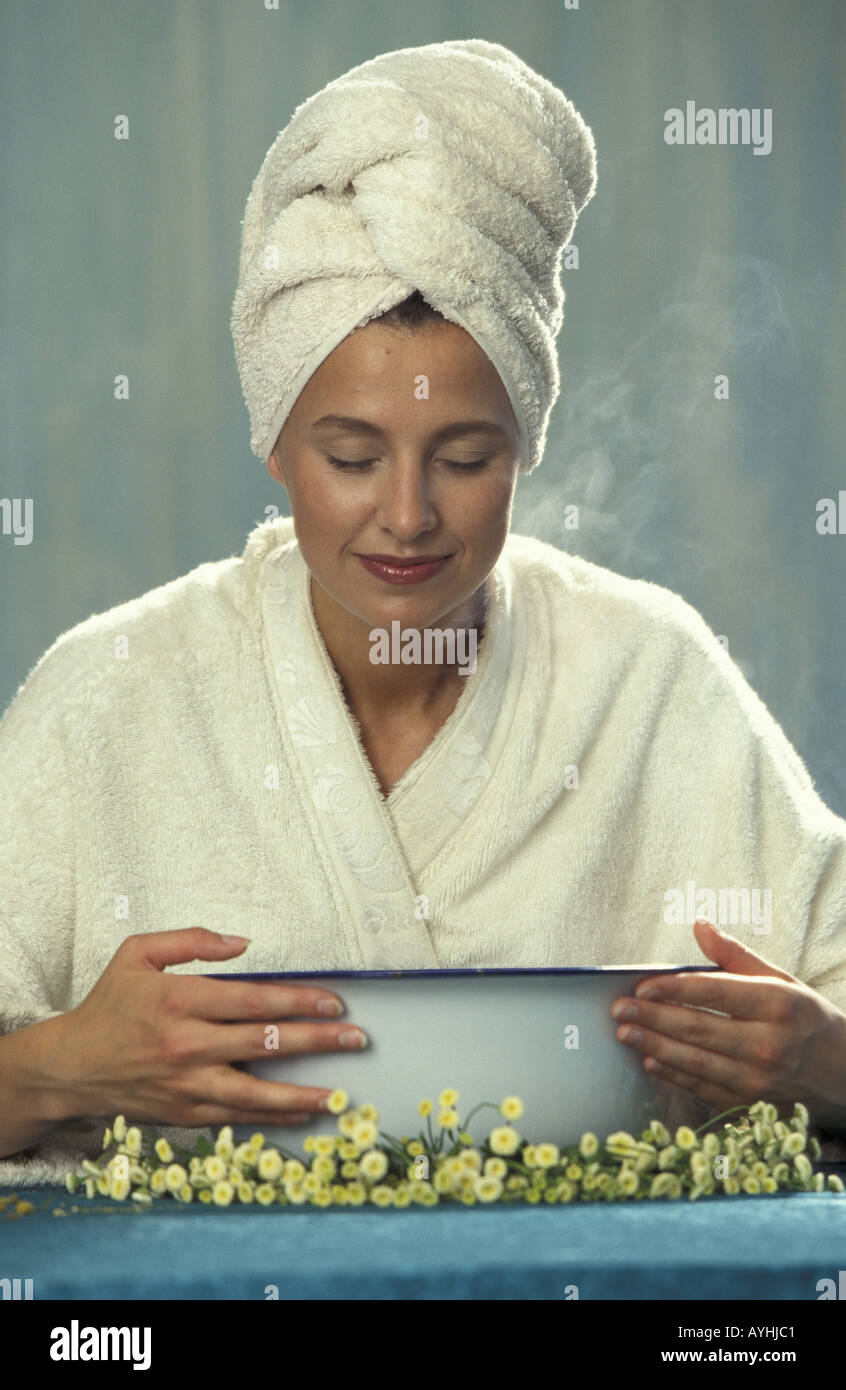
x,y
263,747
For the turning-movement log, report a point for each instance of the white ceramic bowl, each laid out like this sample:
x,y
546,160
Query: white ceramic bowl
x,y
545,1035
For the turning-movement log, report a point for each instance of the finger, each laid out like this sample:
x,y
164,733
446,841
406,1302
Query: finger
x,y
744,1040
731,954
713,1067
248,1042
237,1000
241,1091
709,1092
763,999
158,949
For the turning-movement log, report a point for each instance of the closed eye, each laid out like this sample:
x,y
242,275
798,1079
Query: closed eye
x,y
365,463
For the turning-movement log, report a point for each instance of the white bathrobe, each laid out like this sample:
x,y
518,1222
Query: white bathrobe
x,y
607,774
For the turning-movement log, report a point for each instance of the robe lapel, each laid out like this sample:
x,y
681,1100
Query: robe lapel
x,y
352,824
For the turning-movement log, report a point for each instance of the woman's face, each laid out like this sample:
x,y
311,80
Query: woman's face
x,y
428,470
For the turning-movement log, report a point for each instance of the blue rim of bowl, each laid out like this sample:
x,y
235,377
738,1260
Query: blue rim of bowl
x,y
477,970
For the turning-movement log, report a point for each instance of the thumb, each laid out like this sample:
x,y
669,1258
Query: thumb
x,y
158,949
731,955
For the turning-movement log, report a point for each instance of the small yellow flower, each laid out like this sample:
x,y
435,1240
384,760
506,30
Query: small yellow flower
x,y
589,1145
686,1139
265,1194
546,1155
324,1167
448,1098
495,1168
368,1112
488,1189
175,1177
511,1108
800,1112
566,1192
349,1168
356,1194
223,1145
573,1172
667,1157
402,1197
311,1183
270,1165
119,1128
731,1186
471,1159
660,1134
90,1188
119,1189
665,1185
347,1123
448,1118
222,1194
373,1165
215,1168
442,1181
322,1198
751,1185
107,1139
163,1151
532,1196
308,1144
769,1184
245,1156
142,1198
296,1193
205,1195
133,1141
802,1164
365,1134
381,1196
324,1144
158,1183
425,1108
835,1183
504,1140
793,1144
413,1148
337,1102
628,1183
257,1141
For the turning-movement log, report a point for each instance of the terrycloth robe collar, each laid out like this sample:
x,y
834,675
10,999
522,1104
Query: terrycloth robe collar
x,y
375,848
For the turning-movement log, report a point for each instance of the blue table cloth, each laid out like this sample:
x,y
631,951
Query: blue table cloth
x,y
724,1248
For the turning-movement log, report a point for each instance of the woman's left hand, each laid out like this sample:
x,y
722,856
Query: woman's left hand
x,y
781,1040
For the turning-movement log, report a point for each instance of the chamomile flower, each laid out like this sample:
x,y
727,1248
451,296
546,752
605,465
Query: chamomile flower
x,y
158,1181
495,1168
504,1140
119,1189
265,1194
511,1108
425,1108
686,1139
448,1098
337,1102
487,1189
414,1148
324,1167
119,1129
270,1165
365,1134
800,1112
185,1193
222,1193
132,1142
546,1155
373,1165
802,1164
381,1196
163,1151
215,1168
589,1145
324,1144
175,1177
447,1117
356,1194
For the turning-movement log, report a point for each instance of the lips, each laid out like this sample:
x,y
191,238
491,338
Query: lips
x,y
397,570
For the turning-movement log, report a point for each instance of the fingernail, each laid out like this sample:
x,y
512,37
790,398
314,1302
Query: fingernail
x,y
331,1007
633,1035
624,1011
235,940
647,992
352,1037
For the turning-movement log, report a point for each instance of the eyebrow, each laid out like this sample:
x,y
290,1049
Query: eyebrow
x,y
349,422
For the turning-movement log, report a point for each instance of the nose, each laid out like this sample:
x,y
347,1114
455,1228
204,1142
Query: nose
x,y
406,504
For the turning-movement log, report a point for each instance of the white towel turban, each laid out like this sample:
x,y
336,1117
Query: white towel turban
x,y
453,169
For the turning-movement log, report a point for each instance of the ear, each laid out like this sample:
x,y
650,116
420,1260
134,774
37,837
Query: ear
x,y
273,467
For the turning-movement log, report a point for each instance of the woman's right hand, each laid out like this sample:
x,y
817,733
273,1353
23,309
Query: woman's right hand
x,y
158,1048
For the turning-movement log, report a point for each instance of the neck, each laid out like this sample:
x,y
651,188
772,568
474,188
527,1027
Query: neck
x,y
373,688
